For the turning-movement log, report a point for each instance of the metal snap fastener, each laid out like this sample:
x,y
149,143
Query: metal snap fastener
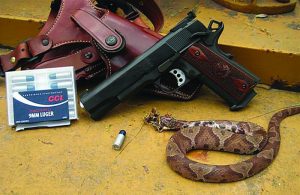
x,y
45,42
197,53
12,60
88,55
111,40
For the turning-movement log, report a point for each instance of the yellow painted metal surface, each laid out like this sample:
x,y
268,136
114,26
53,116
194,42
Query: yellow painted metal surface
x,y
272,67
25,9
79,159
20,20
18,29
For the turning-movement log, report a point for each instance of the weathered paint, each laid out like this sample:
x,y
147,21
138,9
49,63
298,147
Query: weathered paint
x,y
278,69
16,30
80,159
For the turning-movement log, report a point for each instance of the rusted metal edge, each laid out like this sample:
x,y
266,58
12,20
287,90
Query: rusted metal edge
x,y
259,7
278,69
17,29
284,85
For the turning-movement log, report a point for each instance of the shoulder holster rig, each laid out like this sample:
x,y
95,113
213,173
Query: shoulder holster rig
x,y
96,41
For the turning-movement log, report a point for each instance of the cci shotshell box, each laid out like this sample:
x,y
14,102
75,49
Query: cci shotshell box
x,y
41,98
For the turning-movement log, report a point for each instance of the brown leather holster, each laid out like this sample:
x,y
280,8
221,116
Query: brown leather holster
x,y
96,42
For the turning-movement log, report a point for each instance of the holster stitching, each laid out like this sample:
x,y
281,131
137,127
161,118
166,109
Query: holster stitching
x,y
106,57
57,18
73,41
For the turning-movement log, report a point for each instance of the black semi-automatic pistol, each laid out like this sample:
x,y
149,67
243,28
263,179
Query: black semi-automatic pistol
x,y
196,48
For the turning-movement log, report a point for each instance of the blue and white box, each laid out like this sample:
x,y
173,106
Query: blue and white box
x,y
41,98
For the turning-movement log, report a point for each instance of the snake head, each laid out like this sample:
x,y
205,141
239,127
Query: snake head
x,y
161,123
153,119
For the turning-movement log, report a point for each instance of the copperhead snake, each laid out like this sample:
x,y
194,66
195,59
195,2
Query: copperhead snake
x,y
228,136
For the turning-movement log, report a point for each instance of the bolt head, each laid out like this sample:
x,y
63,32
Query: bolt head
x,y
88,55
13,60
111,40
45,42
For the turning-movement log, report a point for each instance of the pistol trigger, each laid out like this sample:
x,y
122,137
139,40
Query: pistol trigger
x,y
179,75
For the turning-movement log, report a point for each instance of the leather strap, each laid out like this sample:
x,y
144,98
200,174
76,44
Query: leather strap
x,y
10,61
79,59
130,7
151,11
91,24
25,51
43,43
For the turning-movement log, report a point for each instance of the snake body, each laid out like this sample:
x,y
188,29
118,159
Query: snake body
x,y
228,136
